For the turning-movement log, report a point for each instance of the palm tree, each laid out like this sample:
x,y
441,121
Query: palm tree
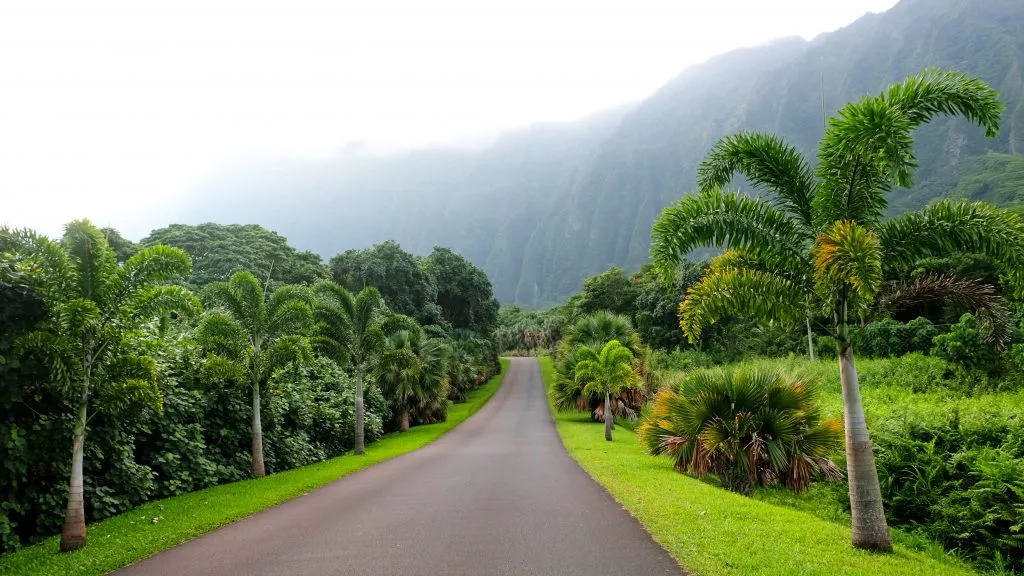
x,y
608,374
831,219
749,427
94,307
348,330
413,371
253,335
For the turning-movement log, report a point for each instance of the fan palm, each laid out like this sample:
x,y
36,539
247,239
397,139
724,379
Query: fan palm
x,y
750,428
818,236
94,306
348,329
252,335
607,374
413,372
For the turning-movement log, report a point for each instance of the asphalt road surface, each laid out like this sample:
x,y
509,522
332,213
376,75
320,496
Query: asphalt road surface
x,y
496,495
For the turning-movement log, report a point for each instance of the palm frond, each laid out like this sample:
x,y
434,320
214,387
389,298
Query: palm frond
x,y
752,293
982,299
767,162
729,220
848,253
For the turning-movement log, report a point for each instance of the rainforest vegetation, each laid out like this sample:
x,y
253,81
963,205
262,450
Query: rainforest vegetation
x,y
208,354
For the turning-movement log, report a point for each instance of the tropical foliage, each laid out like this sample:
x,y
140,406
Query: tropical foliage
x,y
817,240
106,353
749,427
606,374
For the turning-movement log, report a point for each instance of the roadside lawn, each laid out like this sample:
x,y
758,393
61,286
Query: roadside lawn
x,y
711,531
161,524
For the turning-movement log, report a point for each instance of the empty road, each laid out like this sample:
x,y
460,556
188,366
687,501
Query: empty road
x,y
496,495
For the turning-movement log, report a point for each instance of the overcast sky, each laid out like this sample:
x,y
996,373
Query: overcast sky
x,y
110,110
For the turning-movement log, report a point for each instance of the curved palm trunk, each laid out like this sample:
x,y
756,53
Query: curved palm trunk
x,y
72,537
403,422
257,434
609,416
359,442
870,530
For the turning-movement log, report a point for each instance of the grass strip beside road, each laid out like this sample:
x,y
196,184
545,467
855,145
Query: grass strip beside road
x,y
132,536
713,532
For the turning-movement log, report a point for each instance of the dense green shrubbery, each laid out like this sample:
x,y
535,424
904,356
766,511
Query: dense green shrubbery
x,y
888,337
959,481
197,430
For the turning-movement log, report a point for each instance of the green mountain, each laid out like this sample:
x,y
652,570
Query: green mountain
x,y
543,208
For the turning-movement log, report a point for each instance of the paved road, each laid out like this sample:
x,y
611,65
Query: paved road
x,y
497,495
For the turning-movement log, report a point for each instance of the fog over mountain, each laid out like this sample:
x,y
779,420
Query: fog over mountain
x,y
542,208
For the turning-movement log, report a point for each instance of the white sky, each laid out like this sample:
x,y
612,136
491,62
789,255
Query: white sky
x,y
110,110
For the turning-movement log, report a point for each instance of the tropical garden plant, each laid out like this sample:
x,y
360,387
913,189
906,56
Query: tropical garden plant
x,y
95,309
413,373
348,330
251,336
749,427
606,373
817,240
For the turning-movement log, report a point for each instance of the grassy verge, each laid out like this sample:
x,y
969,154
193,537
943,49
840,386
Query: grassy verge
x,y
711,531
122,540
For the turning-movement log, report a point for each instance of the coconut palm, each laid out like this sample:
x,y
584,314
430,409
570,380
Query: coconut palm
x,y
252,335
607,374
750,427
829,221
348,330
94,308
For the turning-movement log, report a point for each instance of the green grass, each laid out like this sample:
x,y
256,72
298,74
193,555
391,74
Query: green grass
x,y
122,540
711,531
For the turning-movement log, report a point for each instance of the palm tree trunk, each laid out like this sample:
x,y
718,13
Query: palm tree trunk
x,y
403,422
810,339
360,437
72,537
257,434
870,530
609,416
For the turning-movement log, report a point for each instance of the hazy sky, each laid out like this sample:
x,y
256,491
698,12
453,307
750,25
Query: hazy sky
x,y
110,110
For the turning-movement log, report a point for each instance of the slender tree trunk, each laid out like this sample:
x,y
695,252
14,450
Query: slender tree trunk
x,y
360,447
810,339
403,422
257,434
72,537
870,530
609,416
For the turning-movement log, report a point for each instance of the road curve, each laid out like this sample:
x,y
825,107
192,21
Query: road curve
x,y
496,495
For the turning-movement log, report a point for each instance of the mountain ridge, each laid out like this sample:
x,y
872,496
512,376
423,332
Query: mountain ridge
x,y
546,206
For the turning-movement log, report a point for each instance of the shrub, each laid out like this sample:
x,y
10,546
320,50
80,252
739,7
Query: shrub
x,y
750,427
887,337
965,345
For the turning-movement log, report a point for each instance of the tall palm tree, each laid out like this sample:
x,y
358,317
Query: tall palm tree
x,y
606,373
829,222
252,335
348,330
94,306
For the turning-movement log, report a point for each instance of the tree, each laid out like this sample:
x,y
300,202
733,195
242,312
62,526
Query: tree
x,y
611,291
252,335
406,287
348,330
122,247
749,427
413,371
464,292
830,222
94,310
606,373
220,250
